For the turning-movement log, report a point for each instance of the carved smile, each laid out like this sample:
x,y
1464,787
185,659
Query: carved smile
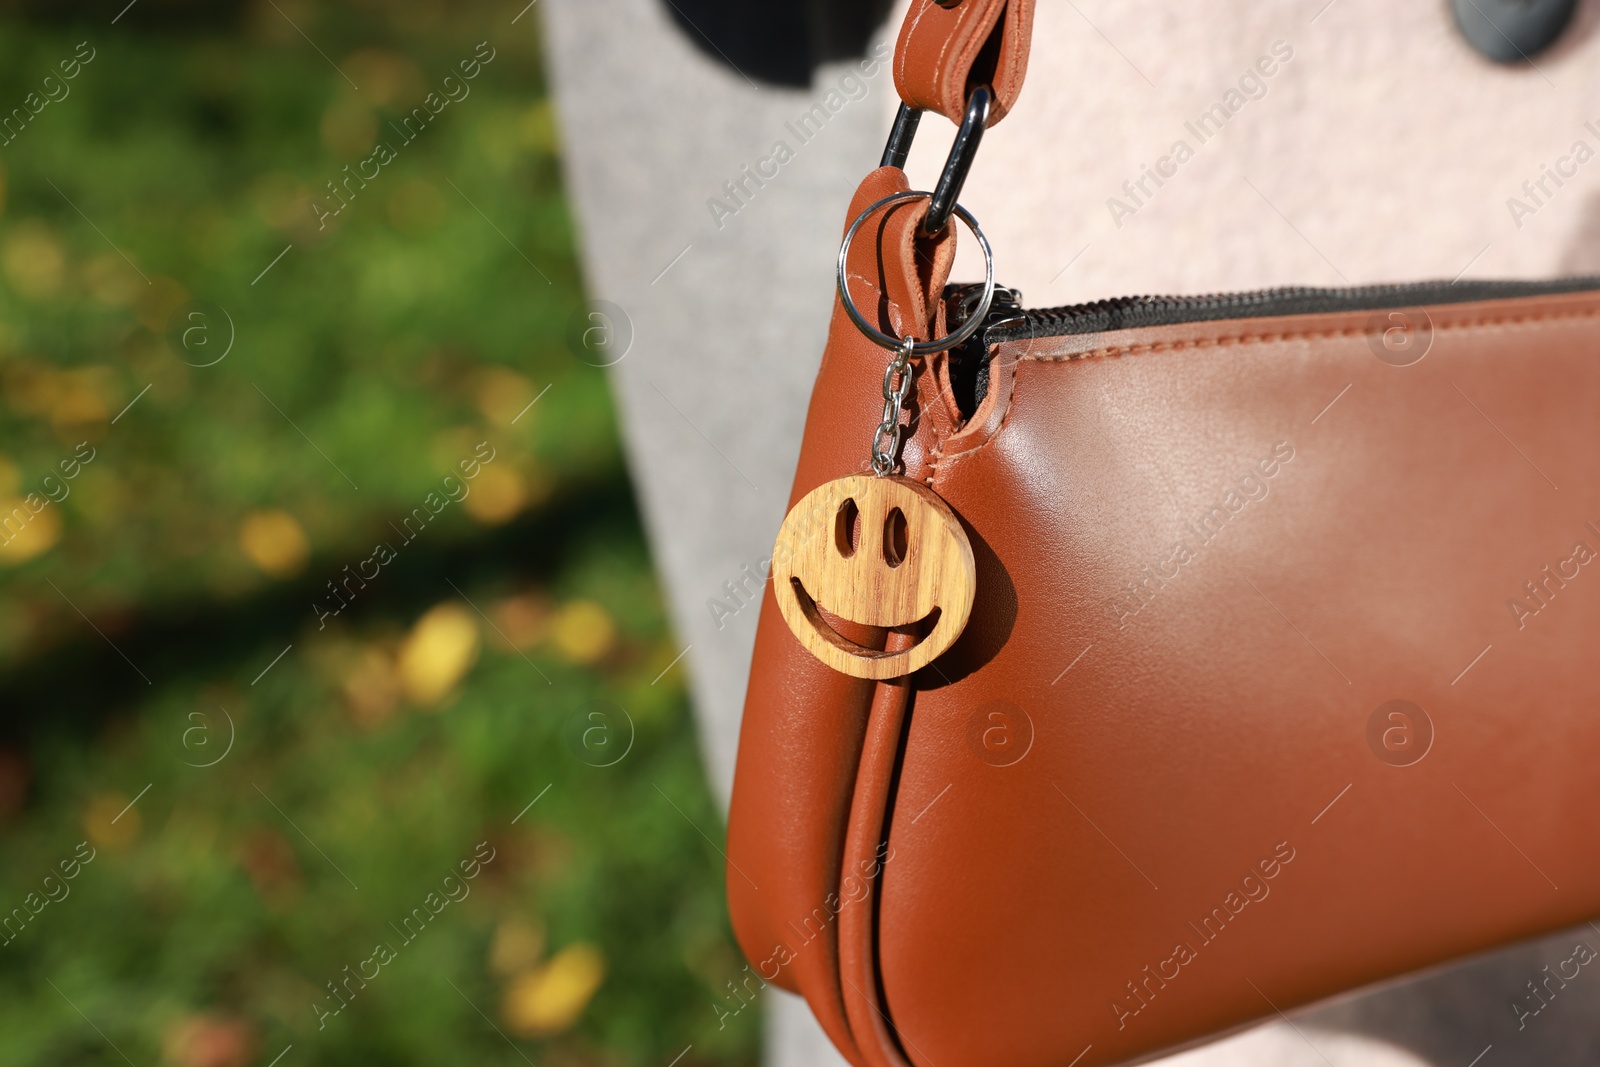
x,y
883,553
922,627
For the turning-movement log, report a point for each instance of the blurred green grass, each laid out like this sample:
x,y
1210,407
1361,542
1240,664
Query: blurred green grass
x,y
140,615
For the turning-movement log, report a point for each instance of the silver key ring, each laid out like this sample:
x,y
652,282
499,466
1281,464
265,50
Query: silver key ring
x,y
921,348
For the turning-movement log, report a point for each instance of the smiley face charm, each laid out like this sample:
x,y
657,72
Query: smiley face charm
x,y
879,551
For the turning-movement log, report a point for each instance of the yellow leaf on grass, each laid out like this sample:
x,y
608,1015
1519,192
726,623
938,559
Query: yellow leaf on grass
x,y
497,495
25,533
550,999
437,652
582,631
32,260
274,541
504,395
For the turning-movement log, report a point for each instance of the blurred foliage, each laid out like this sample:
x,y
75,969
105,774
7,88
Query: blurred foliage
x,y
212,679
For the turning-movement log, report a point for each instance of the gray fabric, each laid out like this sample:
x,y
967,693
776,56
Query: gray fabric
x,y
727,339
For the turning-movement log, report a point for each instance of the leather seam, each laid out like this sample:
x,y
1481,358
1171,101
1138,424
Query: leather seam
x,y
1018,59
958,49
1240,339
939,64
1004,68
1005,416
934,459
905,45
1011,404
1269,338
971,46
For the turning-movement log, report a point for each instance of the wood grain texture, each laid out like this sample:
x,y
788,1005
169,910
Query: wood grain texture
x,y
881,552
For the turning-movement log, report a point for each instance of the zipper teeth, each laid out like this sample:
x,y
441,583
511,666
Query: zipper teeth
x,y
1014,323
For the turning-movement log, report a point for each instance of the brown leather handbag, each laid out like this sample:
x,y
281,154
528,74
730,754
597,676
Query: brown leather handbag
x,y
1277,674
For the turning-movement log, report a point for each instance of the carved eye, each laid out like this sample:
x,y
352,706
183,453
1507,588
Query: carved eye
x,y
845,534
895,537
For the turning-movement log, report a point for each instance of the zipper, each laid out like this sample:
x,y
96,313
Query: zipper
x,y
1008,320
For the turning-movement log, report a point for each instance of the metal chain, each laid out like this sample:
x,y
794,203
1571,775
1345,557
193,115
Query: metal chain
x,y
886,439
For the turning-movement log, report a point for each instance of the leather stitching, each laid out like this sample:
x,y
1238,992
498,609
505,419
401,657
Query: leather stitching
x,y
1309,335
931,460
1240,339
1202,342
879,298
951,102
939,66
971,45
911,30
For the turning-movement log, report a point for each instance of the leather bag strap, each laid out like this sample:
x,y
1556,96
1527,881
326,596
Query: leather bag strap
x,y
947,49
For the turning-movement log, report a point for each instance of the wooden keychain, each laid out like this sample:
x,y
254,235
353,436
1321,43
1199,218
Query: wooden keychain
x,y
876,549
880,551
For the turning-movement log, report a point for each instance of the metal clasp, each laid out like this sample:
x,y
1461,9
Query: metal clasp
x,y
962,152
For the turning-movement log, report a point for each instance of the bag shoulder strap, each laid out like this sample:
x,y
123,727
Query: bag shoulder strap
x,y
947,48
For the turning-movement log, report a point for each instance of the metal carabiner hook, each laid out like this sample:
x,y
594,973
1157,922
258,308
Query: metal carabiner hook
x,y
962,153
